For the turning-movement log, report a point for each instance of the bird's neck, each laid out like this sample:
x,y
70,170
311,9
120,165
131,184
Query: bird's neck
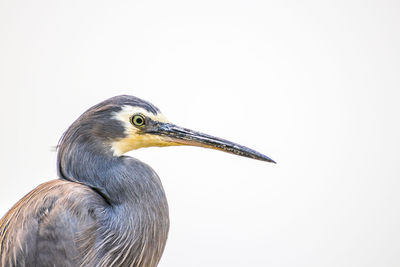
x,y
135,197
120,180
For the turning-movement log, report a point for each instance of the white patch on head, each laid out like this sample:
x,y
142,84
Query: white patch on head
x,y
128,111
133,140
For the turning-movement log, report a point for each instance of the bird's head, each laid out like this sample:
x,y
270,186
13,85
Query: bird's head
x,y
126,123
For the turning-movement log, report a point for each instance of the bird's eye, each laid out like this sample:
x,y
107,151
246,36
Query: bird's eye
x,y
138,120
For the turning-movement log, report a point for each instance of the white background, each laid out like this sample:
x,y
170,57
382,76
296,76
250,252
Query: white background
x,y
312,84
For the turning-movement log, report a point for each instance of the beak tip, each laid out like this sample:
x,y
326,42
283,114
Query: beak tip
x,y
267,159
271,161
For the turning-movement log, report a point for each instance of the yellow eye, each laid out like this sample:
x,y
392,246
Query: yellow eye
x,y
138,120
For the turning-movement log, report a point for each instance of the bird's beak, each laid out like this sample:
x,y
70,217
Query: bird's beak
x,y
182,136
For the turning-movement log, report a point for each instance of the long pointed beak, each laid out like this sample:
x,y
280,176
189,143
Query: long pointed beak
x,y
183,136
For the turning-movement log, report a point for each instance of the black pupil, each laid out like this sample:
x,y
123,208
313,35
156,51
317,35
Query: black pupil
x,y
139,120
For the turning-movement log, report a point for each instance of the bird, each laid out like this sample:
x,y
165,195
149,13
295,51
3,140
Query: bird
x,y
105,208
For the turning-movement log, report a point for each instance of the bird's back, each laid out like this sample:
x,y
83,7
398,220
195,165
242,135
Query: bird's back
x,y
51,224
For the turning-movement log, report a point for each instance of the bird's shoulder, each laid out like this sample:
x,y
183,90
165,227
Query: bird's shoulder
x,y
49,222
